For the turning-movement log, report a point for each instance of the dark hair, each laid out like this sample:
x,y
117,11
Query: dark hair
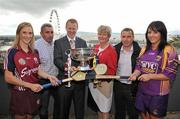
x,y
45,25
128,30
157,26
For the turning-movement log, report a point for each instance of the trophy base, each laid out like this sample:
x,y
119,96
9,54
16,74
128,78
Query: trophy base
x,y
84,68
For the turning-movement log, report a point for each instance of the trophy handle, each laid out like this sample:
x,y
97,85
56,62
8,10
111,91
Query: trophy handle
x,y
67,52
71,54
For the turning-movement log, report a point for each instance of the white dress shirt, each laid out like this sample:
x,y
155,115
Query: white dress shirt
x,y
124,65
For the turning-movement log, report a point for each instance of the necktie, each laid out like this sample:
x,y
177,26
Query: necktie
x,y
72,43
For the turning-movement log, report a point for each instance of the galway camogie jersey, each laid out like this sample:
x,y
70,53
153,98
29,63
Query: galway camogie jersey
x,y
151,63
23,65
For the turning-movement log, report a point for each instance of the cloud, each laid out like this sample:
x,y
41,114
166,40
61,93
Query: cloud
x,y
34,11
35,7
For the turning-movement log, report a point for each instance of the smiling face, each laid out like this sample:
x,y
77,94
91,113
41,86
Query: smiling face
x,y
154,37
103,37
26,35
127,38
104,34
71,29
47,34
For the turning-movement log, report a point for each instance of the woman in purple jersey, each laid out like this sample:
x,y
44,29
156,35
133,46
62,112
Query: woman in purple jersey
x,y
156,68
22,71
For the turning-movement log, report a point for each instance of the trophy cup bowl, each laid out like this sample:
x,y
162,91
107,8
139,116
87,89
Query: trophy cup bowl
x,y
83,55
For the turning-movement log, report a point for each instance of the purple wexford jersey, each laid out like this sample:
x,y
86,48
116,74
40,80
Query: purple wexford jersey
x,y
151,62
23,65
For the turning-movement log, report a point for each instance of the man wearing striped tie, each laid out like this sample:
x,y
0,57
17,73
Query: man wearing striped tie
x,y
76,90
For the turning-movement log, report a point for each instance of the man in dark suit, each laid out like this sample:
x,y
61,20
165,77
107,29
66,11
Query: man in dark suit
x,y
76,91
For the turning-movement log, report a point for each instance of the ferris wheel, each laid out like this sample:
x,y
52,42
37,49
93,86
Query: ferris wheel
x,y
54,20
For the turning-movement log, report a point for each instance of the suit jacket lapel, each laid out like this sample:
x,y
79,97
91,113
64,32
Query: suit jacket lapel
x,y
66,43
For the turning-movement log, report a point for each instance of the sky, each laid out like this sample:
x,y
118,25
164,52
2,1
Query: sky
x,y
118,14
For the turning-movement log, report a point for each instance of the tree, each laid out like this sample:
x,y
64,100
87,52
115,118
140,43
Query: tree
x,y
175,41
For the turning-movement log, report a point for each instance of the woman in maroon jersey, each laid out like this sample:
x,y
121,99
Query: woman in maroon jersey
x,y
22,71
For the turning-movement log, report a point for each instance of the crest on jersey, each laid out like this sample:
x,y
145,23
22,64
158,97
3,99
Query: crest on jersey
x,y
22,61
36,60
158,58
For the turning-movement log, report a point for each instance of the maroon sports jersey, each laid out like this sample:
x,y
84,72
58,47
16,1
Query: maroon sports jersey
x,y
23,65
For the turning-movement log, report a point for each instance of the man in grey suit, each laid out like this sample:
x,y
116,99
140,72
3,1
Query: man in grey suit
x,y
76,91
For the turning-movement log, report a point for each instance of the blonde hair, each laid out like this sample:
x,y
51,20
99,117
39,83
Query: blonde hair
x,y
104,28
17,38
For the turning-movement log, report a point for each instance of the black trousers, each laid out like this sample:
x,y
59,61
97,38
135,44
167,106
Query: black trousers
x,y
66,95
45,99
124,101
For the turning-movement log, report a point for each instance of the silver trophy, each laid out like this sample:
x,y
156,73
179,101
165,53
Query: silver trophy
x,y
83,55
